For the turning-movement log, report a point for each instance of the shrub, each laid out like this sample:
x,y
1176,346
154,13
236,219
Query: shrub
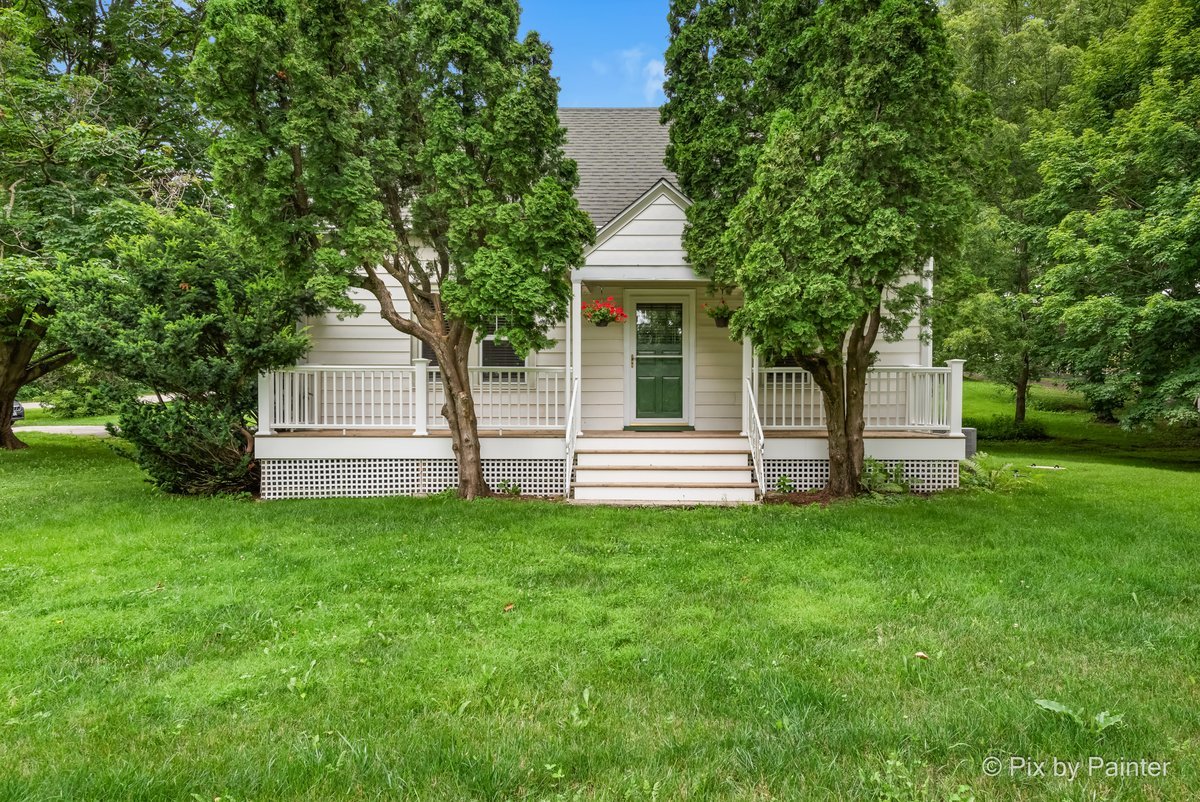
x,y
188,447
1004,428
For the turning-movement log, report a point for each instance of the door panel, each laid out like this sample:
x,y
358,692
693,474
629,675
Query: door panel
x,y
659,369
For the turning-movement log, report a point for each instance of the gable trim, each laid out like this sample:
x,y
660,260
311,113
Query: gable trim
x,y
661,189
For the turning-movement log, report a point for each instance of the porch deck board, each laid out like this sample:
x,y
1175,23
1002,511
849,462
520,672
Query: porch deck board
x,y
813,434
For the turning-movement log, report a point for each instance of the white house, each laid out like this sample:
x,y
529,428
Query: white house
x,y
663,409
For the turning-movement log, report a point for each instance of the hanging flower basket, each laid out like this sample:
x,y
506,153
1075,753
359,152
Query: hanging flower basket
x,y
601,313
720,313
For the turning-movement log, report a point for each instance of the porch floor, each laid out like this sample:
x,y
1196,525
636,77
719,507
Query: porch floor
x,y
813,434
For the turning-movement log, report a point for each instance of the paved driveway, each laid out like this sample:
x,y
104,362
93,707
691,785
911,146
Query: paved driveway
x,y
90,431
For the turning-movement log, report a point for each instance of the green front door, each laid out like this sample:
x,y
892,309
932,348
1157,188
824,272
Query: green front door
x,y
659,361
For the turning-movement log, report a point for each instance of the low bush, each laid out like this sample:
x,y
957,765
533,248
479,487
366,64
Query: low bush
x,y
1005,428
188,447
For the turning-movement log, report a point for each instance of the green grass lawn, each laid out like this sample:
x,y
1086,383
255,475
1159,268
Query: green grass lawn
x,y
1078,435
167,648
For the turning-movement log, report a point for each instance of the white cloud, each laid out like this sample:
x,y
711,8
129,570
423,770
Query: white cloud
x,y
655,75
631,61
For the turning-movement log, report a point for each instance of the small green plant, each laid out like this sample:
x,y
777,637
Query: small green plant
x,y
1096,724
784,484
991,474
508,488
896,781
880,480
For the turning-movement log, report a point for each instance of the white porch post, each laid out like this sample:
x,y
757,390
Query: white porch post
x,y
954,403
747,376
421,397
576,371
926,342
265,403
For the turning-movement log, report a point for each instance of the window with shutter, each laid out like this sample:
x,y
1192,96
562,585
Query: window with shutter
x,y
495,352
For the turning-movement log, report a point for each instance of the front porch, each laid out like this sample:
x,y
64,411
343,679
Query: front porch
x,y
355,431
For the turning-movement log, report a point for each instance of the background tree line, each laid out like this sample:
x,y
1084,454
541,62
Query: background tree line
x,y
181,184
1083,258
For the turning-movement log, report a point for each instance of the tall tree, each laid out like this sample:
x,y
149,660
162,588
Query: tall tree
x,y
94,115
412,149
854,187
1017,58
1121,171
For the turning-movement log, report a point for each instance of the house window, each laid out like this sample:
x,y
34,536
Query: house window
x,y
496,352
790,363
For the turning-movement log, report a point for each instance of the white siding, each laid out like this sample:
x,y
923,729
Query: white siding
x,y
370,340
652,238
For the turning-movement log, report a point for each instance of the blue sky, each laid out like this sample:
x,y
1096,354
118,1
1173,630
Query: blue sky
x,y
606,52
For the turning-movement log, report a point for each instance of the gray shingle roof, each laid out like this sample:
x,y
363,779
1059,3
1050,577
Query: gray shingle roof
x,y
620,155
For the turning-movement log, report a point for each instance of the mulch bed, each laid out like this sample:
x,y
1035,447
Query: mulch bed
x,y
821,497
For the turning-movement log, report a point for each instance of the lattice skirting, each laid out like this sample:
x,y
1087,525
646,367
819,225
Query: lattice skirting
x,y
926,475
362,478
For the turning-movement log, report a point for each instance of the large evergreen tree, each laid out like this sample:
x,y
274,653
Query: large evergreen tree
x,y
855,185
404,147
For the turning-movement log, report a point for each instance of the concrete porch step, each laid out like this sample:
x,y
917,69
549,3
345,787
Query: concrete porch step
x,y
666,475
723,493
662,459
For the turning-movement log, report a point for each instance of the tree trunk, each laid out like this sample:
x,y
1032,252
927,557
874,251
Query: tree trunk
x,y
8,438
843,479
459,411
13,357
1022,387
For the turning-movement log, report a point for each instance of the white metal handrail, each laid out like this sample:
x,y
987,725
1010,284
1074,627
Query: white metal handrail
x,y
758,440
897,398
572,412
508,398
318,397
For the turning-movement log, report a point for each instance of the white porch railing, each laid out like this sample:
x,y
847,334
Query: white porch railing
x,y
917,399
572,432
758,439
508,398
313,397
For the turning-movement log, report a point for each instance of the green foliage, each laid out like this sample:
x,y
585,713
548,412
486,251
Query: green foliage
x,y
508,488
1096,724
854,187
188,310
1120,168
1016,61
1004,428
990,474
415,142
189,447
95,116
879,479
80,390
822,145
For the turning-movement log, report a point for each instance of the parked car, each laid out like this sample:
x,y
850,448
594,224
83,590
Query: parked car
x,y
18,411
